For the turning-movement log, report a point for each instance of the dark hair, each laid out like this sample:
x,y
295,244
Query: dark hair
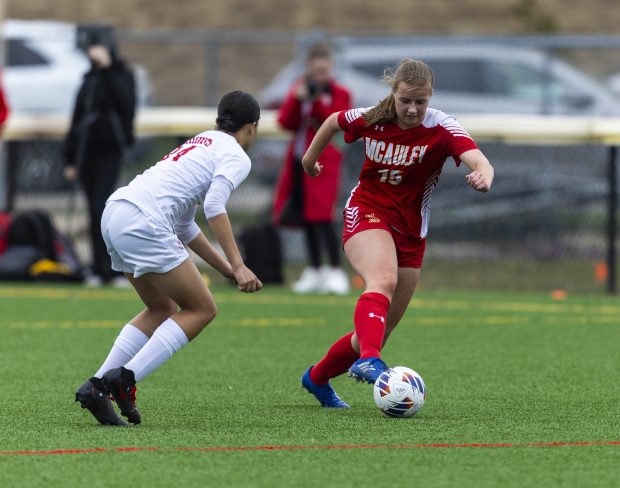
x,y
88,35
236,109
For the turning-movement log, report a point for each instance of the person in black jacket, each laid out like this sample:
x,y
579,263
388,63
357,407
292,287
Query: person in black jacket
x,y
100,134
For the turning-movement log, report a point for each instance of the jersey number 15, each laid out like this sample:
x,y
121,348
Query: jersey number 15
x,y
392,176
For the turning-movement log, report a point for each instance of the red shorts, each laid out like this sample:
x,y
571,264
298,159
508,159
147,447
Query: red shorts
x,y
409,250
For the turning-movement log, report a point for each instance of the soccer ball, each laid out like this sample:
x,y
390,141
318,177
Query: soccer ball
x,y
400,392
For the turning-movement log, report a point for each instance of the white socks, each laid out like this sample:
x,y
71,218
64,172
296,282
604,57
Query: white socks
x,y
167,339
126,346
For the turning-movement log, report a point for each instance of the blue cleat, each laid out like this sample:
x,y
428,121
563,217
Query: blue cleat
x,y
367,369
325,394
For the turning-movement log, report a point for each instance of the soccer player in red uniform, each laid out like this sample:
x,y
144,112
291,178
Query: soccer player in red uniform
x,y
387,214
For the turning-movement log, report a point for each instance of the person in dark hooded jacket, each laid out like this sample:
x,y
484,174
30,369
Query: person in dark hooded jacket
x,y
100,134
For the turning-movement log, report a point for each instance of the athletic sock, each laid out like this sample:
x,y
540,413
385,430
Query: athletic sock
x,y
369,318
338,360
167,339
129,341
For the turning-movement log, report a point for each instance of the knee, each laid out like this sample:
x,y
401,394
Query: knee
x,y
211,314
165,308
384,283
208,314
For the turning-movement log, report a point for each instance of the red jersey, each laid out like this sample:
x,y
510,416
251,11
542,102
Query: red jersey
x,y
402,167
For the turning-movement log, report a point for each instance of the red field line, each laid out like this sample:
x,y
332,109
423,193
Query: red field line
x,y
293,448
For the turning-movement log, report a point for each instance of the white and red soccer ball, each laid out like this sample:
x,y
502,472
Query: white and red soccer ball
x,y
400,392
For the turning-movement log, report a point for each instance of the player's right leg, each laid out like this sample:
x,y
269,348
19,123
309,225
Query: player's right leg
x,y
372,253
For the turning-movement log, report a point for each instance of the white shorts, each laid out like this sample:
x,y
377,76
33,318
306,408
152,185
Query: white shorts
x,y
137,242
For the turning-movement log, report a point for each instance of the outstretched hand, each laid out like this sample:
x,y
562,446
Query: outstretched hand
x,y
477,181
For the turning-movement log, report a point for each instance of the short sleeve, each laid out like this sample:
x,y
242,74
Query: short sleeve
x,y
459,140
234,166
352,123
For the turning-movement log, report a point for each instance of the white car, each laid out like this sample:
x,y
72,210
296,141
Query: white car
x,y
613,81
470,78
44,68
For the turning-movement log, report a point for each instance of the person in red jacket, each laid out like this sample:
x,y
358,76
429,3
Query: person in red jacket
x,y
301,201
4,109
4,216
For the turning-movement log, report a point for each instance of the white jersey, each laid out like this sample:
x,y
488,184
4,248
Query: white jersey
x,y
180,181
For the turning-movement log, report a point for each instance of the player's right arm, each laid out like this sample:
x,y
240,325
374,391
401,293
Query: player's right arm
x,y
203,248
215,211
323,137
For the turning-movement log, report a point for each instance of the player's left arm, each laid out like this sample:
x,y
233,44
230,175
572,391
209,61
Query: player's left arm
x,y
482,173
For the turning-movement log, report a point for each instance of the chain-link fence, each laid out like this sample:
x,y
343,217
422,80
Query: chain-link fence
x,y
543,226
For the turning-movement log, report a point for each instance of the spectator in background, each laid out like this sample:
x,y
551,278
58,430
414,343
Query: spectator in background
x,y
4,114
4,216
4,110
100,134
301,201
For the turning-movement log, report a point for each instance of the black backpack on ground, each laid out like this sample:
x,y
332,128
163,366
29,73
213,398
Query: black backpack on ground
x,y
262,252
37,251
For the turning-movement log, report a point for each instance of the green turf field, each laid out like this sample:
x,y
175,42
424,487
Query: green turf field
x,y
522,391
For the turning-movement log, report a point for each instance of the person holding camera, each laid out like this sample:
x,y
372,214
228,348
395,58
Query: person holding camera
x,y
100,134
301,201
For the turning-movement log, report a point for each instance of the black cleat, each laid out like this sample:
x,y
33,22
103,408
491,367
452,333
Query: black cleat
x,y
121,384
93,396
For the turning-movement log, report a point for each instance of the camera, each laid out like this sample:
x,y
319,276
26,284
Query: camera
x,y
90,34
315,89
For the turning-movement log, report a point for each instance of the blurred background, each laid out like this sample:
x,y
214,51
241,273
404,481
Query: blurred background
x,y
536,82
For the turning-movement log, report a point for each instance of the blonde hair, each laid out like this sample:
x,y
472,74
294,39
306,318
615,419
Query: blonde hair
x,y
411,71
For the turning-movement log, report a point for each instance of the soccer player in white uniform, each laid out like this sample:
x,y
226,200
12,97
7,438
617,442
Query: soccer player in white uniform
x,y
145,226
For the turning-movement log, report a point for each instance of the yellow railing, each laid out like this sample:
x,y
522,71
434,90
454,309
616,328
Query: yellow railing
x,y
185,121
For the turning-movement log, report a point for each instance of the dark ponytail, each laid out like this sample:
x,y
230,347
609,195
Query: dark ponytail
x,y
236,109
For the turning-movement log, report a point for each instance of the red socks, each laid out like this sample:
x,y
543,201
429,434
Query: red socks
x,y
338,359
369,318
